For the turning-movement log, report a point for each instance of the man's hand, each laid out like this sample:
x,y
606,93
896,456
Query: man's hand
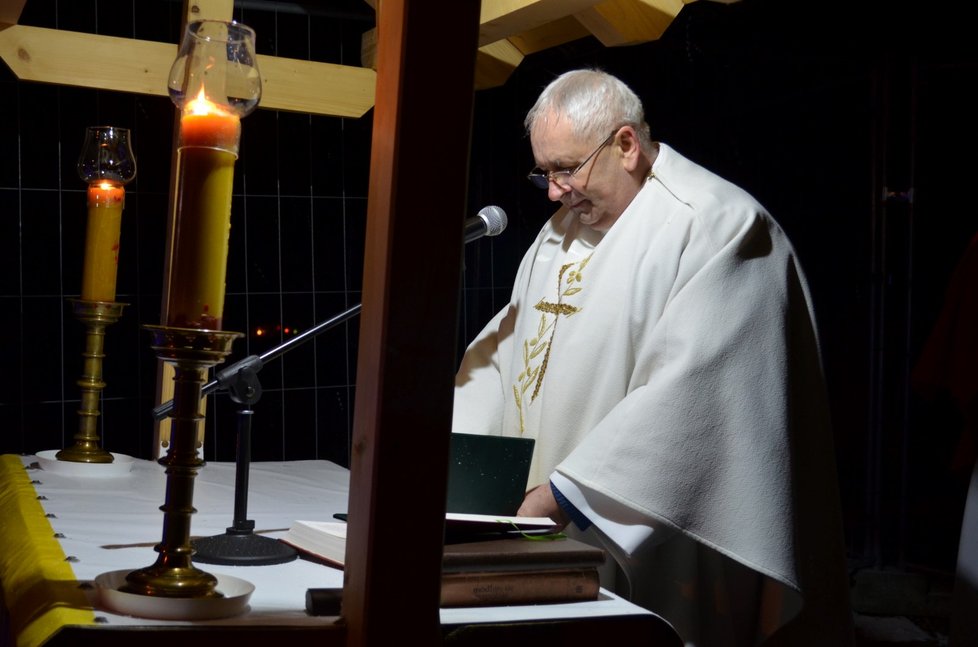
x,y
540,502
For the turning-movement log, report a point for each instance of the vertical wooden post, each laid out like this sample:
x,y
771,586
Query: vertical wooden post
x,y
406,365
10,11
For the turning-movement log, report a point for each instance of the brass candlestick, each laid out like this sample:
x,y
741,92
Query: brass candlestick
x,y
107,164
192,352
96,315
214,81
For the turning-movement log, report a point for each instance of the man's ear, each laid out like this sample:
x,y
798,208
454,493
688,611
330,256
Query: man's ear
x,y
629,148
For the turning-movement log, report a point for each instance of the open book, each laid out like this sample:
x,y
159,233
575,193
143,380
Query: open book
x,y
326,540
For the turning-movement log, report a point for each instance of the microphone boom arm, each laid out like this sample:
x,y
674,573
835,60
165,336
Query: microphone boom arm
x,y
227,375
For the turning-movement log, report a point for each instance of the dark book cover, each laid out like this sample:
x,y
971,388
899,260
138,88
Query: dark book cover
x,y
520,554
548,586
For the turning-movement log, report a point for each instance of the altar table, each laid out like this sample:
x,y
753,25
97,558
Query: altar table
x,y
59,531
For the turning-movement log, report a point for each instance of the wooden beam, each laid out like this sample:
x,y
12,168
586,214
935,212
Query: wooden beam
x,y
495,62
87,60
629,22
208,10
511,29
318,88
139,66
416,206
558,32
504,18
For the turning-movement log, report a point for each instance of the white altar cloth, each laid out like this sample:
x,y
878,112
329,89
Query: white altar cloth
x,y
109,524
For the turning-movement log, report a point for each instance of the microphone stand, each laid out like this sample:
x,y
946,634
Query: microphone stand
x,y
239,546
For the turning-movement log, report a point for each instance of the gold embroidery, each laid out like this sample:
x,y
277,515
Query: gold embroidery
x,y
555,308
569,281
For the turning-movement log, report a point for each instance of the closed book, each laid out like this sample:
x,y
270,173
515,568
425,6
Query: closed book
x,y
549,586
499,588
520,554
461,526
326,540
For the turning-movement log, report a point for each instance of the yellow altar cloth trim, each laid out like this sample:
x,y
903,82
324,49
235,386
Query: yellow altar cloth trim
x,y
39,586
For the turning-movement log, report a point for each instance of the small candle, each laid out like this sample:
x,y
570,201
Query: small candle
x,y
101,264
209,138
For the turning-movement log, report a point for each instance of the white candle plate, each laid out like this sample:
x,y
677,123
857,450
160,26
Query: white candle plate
x,y
121,465
234,601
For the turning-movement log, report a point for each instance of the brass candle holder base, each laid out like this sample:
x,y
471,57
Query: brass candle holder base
x,y
192,352
95,315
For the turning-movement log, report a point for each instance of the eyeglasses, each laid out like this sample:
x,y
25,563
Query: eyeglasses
x,y
541,179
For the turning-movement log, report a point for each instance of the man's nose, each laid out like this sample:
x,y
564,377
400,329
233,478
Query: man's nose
x,y
555,191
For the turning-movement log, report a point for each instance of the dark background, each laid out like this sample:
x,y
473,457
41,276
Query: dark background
x,y
856,131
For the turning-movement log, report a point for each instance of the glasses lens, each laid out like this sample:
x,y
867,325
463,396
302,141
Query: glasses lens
x,y
538,179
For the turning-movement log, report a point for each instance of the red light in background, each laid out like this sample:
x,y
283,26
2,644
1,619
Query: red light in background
x,y
261,331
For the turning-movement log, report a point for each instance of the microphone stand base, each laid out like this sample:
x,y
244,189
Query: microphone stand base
x,y
242,550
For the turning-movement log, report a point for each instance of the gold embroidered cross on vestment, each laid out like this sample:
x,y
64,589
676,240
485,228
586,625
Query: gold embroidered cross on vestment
x,y
569,280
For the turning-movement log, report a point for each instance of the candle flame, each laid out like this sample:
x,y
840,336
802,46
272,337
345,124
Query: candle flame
x,y
201,105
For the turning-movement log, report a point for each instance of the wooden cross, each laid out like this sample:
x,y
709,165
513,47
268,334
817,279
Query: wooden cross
x,y
142,66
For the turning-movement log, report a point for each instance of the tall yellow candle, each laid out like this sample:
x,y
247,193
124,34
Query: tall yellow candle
x,y
206,154
101,264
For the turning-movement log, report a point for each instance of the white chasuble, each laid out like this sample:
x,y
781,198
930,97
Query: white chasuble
x,y
671,367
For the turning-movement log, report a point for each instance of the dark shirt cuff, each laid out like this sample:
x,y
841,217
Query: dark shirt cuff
x,y
575,515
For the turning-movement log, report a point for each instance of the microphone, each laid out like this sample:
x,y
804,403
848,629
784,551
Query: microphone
x,y
491,221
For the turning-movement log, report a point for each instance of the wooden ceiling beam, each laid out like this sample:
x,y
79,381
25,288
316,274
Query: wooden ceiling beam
x,y
501,19
495,62
629,22
512,29
558,32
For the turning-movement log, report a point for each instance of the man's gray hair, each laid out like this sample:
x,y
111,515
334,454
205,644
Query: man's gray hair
x,y
594,101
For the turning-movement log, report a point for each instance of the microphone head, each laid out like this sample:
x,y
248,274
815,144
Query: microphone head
x,y
495,219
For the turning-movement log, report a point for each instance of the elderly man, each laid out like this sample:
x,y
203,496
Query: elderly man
x,y
660,346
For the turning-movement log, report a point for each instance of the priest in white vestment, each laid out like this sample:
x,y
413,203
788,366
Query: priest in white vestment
x,y
660,346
